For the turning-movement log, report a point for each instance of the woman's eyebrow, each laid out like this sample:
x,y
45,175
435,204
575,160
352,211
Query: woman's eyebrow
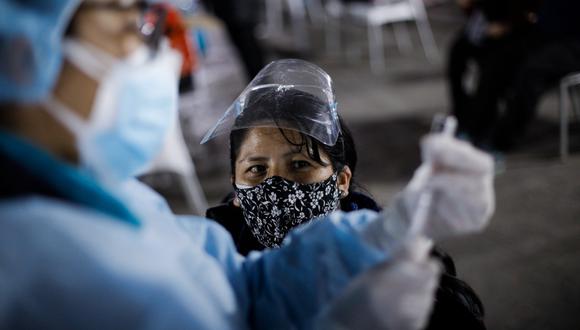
x,y
254,159
300,151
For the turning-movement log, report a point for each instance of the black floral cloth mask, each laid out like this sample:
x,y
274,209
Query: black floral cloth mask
x,y
277,205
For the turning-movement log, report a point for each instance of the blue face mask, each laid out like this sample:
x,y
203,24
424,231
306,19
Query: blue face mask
x,y
134,107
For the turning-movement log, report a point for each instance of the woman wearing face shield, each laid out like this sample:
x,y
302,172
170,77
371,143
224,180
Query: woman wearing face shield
x,y
293,160
309,178
83,244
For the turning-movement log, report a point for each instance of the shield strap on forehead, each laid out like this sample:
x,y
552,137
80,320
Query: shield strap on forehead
x,y
286,108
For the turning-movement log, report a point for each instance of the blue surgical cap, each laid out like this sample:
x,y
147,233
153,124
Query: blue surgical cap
x,y
31,33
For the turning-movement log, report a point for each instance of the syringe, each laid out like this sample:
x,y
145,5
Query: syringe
x,y
446,125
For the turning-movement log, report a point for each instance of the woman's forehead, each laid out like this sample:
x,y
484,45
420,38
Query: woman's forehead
x,y
270,138
282,135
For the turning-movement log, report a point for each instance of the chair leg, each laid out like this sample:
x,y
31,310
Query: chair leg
x,y
332,35
425,32
299,27
402,37
376,48
575,104
564,115
274,17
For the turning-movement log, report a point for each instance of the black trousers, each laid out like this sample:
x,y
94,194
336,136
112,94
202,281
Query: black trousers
x,y
485,56
498,69
460,53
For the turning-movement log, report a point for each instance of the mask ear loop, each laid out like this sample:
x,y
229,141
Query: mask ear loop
x,y
65,116
89,59
343,193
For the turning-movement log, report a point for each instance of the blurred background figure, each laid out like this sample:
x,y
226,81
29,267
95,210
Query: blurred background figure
x,y
554,54
518,60
483,57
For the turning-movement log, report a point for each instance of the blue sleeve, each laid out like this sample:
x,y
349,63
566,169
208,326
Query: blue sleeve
x,y
286,287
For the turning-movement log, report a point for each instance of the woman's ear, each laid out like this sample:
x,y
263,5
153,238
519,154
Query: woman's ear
x,y
235,201
343,181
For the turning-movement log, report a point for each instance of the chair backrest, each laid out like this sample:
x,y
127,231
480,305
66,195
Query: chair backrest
x,y
569,90
571,82
275,14
382,12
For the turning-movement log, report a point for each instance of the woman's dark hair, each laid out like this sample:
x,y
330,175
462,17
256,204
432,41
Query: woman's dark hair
x,y
290,107
456,306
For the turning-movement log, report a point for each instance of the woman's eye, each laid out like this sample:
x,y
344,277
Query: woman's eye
x,y
300,164
257,169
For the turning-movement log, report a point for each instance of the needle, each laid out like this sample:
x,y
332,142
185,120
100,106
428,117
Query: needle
x,y
446,125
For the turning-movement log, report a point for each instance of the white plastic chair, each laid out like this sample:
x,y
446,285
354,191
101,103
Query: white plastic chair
x,y
377,14
567,84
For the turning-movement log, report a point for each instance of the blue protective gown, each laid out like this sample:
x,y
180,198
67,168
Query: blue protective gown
x,y
88,256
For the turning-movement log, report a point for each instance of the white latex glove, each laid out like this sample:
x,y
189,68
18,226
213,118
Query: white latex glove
x,y
396,295
460,180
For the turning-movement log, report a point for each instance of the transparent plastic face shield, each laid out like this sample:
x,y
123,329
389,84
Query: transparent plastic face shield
x,y
289,94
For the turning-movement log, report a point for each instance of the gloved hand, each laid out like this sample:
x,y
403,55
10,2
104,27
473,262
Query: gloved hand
x,y
460,179
395,295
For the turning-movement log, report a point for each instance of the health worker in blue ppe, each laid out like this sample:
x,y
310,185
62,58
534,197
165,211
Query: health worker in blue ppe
x,y
87,93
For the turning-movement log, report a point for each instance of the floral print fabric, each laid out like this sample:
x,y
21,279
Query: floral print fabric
x,y
277,205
